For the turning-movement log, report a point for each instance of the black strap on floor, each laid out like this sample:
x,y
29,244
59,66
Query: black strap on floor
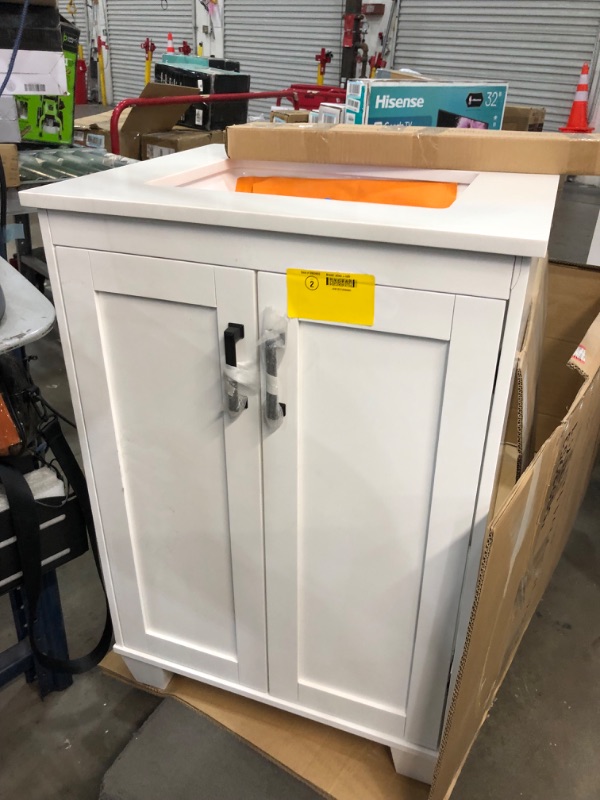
x,y
23,515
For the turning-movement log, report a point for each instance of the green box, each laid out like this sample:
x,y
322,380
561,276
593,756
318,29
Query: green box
x,y
49,119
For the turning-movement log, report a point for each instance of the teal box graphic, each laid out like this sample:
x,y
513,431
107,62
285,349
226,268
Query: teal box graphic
x,y
446,105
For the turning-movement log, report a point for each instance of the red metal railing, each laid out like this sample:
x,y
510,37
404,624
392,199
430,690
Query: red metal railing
x,y
311,95
188,99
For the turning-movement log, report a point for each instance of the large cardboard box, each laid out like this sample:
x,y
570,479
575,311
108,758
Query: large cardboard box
x,y
523,118
95,131
10,163
425,148
40,65
418,103
526,538
523,544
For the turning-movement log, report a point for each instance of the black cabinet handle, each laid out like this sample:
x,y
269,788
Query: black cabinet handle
x,y
233,333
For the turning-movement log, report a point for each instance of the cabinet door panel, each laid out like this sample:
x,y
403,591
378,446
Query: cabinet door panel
x,y
164,393
349,481
353,488
150,379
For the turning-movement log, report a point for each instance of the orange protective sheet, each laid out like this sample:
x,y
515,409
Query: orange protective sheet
x,y
423,194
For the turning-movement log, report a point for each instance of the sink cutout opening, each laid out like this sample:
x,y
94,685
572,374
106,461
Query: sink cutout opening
x,y
403,187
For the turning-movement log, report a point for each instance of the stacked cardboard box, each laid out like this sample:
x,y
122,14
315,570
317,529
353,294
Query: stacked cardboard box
x,y
524,118
177,140
289,115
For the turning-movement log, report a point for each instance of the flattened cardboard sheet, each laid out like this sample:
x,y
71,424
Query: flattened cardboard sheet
x,y
341,764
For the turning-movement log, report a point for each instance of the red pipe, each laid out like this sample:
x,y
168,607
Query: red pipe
x,y
187,99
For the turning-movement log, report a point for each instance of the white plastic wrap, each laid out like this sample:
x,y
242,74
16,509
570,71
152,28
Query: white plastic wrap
x,y
272,345
240,383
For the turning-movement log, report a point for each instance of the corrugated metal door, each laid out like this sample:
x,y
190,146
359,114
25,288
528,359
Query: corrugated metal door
x,y
129,22
537,46
276,43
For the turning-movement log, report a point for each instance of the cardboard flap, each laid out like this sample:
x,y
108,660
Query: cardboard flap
x,y
586,359
529,363
149,119
522,548
573,305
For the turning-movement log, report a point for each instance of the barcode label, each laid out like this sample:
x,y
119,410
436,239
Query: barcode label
x,y
353,104
344,283
199,116
155,151
95,140
35,87
354,89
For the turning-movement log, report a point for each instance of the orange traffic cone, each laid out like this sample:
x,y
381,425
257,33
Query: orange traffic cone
x,y
170,47
578,119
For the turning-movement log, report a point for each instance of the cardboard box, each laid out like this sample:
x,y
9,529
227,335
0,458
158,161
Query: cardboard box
x,y
175,141
218,137
424,148
10,163
50,119
40,64
332,113
289,115
523,118
95,131
430,104
523,545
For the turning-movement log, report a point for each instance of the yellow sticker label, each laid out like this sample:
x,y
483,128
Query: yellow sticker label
x,y
331,296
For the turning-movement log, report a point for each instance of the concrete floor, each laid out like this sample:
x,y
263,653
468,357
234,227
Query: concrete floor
x,y
540,743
